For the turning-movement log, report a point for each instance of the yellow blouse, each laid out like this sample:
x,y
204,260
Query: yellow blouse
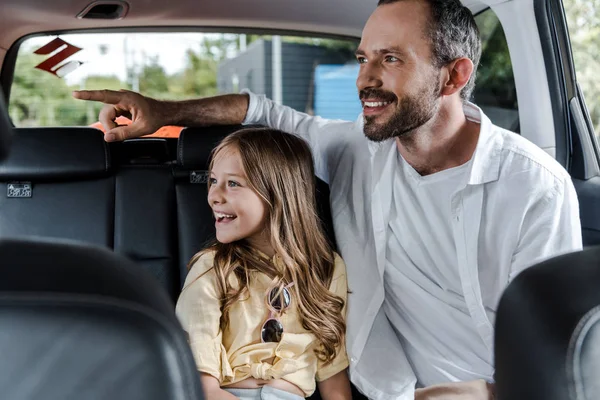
x,y
238,353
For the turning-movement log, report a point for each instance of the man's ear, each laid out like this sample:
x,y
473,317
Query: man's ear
x,y
458,73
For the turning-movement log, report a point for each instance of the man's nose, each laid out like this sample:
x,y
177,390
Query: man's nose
x,y
369,76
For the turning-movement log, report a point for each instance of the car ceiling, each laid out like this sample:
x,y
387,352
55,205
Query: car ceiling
x,y
19,18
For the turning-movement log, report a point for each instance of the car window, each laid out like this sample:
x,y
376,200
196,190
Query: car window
x,y
583,20
314,75
495,90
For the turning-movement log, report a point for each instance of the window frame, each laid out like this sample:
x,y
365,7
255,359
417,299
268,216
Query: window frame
x,y
580,153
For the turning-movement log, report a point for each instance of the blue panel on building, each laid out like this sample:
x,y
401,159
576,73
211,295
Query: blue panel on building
x,y
336,96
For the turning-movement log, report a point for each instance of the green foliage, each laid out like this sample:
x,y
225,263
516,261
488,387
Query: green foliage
x,y
153,80
198,79
39,98
35,94
583,18
495,83
98,82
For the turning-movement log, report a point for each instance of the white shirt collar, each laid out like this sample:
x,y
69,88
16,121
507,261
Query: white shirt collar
x,y
486,159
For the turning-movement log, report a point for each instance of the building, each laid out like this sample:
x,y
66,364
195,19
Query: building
x,y
253,69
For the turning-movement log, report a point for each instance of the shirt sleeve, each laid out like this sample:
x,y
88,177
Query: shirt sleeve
x,y
339,286
199,311
551,227
324,136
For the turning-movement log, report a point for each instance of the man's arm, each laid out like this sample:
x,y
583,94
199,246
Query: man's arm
x,y
148,115
551,227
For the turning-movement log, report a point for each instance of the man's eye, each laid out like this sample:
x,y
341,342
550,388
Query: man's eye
x,y
232,184
361,60
391,59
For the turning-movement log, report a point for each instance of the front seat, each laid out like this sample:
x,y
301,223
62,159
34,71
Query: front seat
x,y
547,343
80,322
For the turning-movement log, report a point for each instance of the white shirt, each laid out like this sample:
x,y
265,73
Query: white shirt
x,y
518,207
422,272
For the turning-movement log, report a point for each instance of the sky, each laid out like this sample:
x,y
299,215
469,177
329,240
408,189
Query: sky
x,y
106,54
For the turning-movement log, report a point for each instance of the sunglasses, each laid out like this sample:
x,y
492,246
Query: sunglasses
x,y
272,329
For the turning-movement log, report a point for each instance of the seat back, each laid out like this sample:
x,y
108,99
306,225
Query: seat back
x,y
57,182
547,343
68,183
80,322
145,213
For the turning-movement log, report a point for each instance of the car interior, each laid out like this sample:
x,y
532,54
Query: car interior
x,y
96,237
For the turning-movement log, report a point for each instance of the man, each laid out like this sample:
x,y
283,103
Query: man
x,y
435,208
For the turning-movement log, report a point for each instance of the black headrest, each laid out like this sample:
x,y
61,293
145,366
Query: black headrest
x,y
547,341
81,322
195,145
6,129
143,151
56,153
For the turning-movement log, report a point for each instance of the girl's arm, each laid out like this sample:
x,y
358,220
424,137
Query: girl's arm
x,y
336,388
212,389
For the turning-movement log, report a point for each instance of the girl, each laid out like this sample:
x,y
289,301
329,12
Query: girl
x,y
264,307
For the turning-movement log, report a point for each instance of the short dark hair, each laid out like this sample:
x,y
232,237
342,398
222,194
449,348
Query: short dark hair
x,y
453,34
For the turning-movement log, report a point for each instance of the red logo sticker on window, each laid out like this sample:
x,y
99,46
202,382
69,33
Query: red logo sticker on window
x,y
62,50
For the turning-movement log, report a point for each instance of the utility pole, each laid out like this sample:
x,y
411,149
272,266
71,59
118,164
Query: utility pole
x,y
277,70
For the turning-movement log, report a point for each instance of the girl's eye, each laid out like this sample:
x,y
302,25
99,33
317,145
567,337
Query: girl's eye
x,y
212,181
232,184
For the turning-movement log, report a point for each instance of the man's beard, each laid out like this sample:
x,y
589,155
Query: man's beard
x,y
411,113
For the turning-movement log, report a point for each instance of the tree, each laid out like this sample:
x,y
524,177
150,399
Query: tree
x,y
98,82
35,94
218,47
39,98
495,83
153,79
583,17
199,77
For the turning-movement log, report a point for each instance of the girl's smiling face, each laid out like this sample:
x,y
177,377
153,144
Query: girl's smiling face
x,y
239,211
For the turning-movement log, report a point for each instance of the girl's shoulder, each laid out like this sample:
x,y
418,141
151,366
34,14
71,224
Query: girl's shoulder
x,y
339,266
202,266
203,260
337,259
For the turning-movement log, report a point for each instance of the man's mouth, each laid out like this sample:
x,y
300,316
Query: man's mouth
x,y
376,103
372,107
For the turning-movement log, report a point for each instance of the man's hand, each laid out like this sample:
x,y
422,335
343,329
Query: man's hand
x,y
472,390
145,113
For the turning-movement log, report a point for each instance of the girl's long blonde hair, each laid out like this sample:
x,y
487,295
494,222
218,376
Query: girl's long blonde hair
x,y
279,167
